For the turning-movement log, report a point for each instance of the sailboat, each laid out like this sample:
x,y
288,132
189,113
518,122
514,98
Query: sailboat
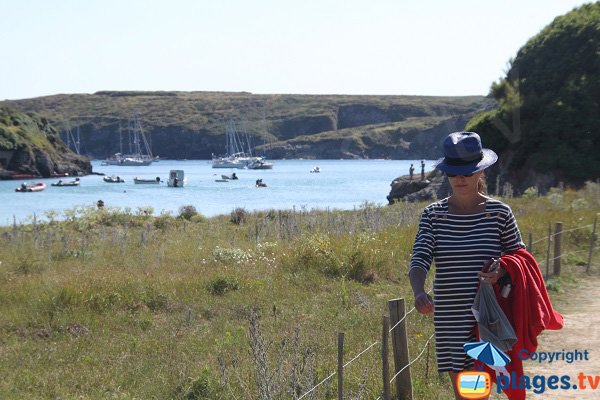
x,y
235,156
140,152
71,142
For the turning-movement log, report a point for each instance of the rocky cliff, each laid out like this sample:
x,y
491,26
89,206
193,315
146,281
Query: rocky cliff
x,y
29,145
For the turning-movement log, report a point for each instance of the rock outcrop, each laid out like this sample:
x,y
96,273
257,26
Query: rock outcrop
x,y
30,146
435,186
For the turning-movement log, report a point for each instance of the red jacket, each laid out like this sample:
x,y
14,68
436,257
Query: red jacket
x,y
528,309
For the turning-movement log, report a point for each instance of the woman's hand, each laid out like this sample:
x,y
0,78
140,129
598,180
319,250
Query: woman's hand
x,y
491,277
423,303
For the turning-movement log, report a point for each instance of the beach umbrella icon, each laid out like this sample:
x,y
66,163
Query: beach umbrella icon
x,y
487,353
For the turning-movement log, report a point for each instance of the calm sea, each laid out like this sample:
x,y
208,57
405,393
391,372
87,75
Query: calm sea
x,y
341,184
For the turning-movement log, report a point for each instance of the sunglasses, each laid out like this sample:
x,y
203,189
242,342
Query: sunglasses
x,y
465,175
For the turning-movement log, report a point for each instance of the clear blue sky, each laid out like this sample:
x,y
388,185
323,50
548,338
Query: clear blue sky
x,y
426,47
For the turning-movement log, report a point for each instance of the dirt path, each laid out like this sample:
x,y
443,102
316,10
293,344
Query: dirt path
x,y
580,306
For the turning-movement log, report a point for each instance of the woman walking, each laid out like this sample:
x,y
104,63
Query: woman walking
x,y
460,233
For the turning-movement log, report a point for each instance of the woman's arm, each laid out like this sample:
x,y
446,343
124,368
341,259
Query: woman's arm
x,y
420,262
423,302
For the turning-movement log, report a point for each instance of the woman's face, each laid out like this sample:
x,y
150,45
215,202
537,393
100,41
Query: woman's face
x,y
464,185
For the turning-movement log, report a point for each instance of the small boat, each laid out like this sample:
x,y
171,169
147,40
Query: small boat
x,y
259,163
113,179
155,181
34,187
76,182
259,183
232,177
176,178
315,170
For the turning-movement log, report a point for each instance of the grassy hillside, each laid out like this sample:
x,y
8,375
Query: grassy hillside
x,y
547,125
29,144
192,124
120,304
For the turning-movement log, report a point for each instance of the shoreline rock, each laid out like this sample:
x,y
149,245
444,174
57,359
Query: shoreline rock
x,y
435,186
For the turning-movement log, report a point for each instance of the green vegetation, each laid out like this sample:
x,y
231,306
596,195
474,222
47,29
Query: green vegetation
x,y
553,86
19,129
192,124
121,304
29,144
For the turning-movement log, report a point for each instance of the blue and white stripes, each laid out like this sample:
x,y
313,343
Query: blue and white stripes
x,y
460,245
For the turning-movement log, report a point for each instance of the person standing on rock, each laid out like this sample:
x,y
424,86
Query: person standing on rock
x,y
422,170
411,171
460,234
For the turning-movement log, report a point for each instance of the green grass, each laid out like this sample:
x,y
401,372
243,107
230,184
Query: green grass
x,y
119,304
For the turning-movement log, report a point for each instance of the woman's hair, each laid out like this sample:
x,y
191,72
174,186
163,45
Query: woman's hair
x,y
481,185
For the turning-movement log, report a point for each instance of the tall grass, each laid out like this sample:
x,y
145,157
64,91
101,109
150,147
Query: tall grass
x,y
121,304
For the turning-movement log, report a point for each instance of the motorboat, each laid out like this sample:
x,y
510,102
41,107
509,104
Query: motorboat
x,y
33,187
76,182
176,178
232,177
113,179
315,170
154,181
259,163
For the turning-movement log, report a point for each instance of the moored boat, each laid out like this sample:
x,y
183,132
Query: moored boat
x,y
233,177
154,181
33,187
76,182
113,179
176,178
260,163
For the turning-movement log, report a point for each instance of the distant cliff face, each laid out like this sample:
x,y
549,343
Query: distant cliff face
x,y
409,138
191,125
30,145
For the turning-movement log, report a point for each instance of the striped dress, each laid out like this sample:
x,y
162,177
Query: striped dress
x,y
460,245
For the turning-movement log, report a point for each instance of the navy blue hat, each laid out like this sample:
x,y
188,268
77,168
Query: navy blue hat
x,y
464,155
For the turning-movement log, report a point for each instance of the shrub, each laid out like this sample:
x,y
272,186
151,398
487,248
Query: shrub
x,y
187,212
316,252
198,218
200,388
238,216
531,192
222,284
231,256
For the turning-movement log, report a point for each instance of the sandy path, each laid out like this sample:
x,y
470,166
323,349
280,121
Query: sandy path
x,y
580,306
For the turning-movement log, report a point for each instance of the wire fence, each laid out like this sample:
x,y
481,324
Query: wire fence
x,y
425,346
555,234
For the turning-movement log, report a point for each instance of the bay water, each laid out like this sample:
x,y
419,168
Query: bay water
x,y
341,184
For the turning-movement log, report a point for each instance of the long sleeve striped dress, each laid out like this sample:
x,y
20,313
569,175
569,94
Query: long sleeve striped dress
x,y
460,245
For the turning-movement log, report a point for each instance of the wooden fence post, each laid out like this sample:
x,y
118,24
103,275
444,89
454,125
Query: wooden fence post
x,y
558,227
384,357
397,309
548,251
530,244
340,371
592,242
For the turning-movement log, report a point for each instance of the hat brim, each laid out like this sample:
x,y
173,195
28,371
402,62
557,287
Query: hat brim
x,y
489,158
